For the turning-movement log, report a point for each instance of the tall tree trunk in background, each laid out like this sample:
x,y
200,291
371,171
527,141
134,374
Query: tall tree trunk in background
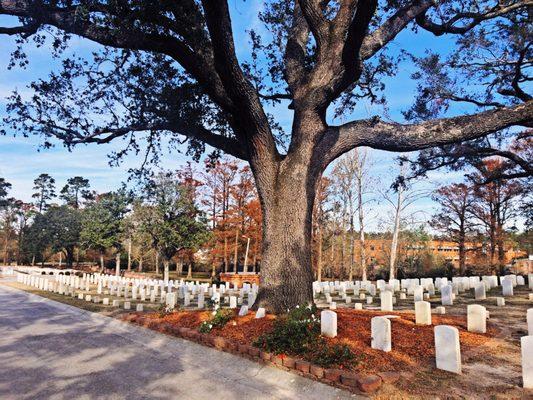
x,y
189,270
319,255
352,255
140,267
236,253
226,261
462,246
361,215
395,234
129,254
60,259
6,249
157,262
166,270
254,268
102,265
117,264
33,260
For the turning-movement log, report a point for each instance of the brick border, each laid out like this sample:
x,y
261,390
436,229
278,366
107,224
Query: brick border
x,y
367,383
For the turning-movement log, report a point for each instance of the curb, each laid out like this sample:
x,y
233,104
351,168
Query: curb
x,y
366,383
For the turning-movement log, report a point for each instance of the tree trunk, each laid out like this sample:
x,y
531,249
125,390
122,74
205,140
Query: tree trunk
x,y
287,205
395,234
117,264
319,256
102,266
33,260
462,248
236,253
129,254
245,268
189,271
361,229
157,262
179,266
140,267
225,253
60,259
166,271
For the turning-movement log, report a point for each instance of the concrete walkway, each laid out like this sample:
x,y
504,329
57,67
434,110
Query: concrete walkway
x,y
50,350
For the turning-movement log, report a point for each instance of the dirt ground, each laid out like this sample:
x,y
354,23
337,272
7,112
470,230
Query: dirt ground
x,y
491,362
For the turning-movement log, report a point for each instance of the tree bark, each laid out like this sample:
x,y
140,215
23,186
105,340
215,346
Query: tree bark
x,y
157,262
102,266
319,256
287,200
117,264
395,234
236,253
166,271
129,254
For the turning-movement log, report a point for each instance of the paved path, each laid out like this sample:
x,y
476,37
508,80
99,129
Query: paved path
x,y
50,350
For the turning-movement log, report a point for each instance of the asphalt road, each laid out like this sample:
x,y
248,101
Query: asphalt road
x,y
49,350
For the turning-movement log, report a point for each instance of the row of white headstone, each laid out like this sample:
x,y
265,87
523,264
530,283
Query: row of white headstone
x,y
144,290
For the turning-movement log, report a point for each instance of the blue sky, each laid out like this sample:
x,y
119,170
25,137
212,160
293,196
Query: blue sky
x,y
21,161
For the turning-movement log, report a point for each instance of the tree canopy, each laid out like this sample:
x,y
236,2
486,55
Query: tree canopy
x,y
169,72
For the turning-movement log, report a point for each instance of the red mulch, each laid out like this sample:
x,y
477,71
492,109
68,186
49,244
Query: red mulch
x,y
412,345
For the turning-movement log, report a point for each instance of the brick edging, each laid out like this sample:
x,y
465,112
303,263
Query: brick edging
x,y
334,377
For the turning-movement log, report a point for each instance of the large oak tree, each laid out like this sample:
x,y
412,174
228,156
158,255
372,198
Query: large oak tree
x,y
171,68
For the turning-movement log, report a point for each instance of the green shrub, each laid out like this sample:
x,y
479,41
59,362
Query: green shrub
x,y
326,355
298,333
221,318
293,333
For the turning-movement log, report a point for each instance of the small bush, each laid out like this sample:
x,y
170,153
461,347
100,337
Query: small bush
x,y
298,333
293,333
221,318
326,355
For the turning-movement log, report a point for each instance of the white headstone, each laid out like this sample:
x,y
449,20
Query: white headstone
x,y
386,301
500,301
358,306
526,343
476,318
260,313
507,287
529,319
381,333
127,305
243,311
423,313
446,295
328,323
479,291
418,293
139,308
232,302
440,310
447,348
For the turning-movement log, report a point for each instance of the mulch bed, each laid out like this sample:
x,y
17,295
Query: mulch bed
x,y
412,345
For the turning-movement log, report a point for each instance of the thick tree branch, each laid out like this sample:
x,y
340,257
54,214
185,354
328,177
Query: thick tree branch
x,y
411,137
394,25
251,118
474,18
126,37
318,24
72,137
296,49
